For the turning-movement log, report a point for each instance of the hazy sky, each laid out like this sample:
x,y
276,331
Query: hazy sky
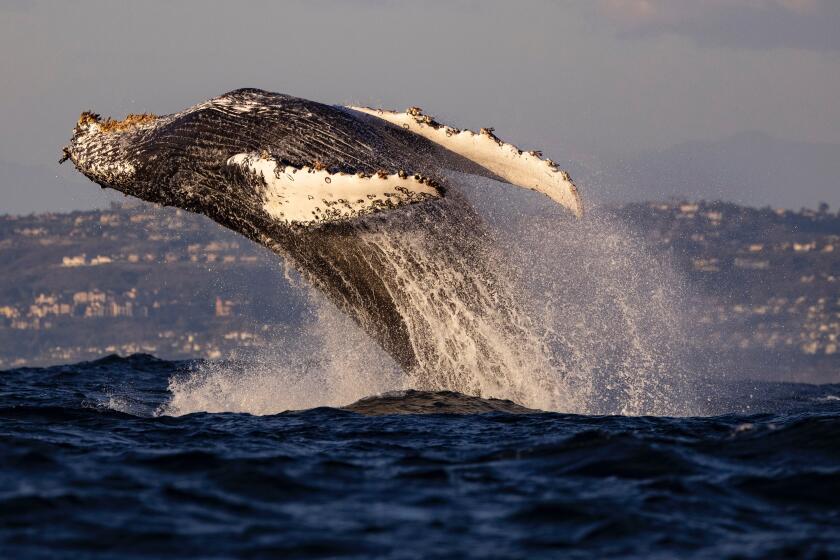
x,y
589,82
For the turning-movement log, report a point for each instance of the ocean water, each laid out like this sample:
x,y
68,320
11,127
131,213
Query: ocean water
x,y
91,466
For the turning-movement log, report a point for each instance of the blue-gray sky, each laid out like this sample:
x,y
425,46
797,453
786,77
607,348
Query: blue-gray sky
x,y
607,87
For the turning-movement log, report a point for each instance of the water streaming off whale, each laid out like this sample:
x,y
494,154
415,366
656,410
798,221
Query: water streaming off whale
x,y
567,315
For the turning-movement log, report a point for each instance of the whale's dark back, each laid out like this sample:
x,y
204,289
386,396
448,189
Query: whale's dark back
x,y
292,130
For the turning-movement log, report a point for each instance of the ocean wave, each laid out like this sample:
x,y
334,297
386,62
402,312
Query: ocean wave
x,y
454,474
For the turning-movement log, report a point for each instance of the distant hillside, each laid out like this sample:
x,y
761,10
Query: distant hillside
x,y
749,168
765,285
134,279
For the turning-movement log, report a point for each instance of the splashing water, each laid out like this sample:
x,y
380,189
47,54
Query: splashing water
x,y
331,362
464,318
607,309
550,312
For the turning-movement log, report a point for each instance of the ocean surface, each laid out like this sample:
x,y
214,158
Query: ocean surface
x,y
89,468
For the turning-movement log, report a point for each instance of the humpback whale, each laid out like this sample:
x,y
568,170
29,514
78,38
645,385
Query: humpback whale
x,y
360,201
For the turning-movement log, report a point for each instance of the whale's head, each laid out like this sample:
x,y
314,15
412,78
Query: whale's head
x,y
154,158
252,157
106,150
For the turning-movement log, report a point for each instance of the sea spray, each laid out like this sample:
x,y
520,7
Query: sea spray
x,y
329,361
465,319
610,312
536,307
607,306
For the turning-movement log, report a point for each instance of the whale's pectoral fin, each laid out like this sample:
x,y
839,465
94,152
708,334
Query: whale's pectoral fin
x,y
308,196
500,160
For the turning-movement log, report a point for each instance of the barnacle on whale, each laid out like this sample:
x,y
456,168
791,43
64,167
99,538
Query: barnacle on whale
x,y
113,125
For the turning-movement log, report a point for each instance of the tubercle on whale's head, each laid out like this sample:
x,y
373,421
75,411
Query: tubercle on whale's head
x,y
89,118
101,148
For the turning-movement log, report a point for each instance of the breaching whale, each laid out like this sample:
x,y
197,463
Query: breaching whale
x,y
358,200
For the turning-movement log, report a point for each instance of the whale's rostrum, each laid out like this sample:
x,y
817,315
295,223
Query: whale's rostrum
x,y
358,200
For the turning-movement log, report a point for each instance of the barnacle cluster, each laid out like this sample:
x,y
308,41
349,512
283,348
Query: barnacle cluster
x,y
113,125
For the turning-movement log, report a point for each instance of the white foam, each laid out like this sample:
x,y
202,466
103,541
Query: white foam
x,y
578,317
606,306
464,322
330,363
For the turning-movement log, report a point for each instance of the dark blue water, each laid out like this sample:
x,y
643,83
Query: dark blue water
x,y
81,480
